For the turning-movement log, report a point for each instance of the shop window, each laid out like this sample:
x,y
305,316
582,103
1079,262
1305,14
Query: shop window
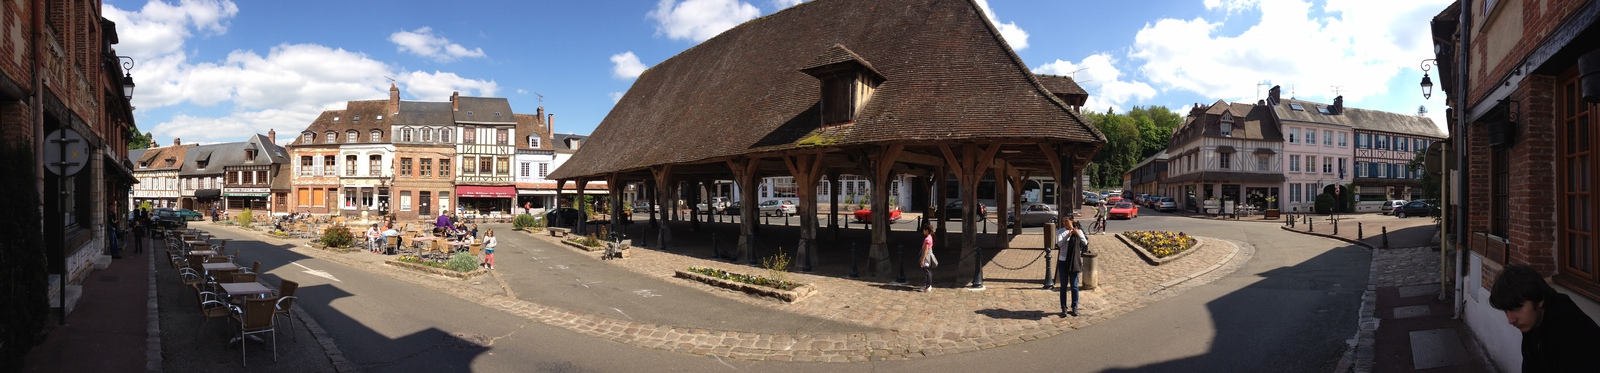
x,y
1579,266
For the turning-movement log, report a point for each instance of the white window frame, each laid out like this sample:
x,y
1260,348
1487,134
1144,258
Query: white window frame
x,y
1294,163
1327,137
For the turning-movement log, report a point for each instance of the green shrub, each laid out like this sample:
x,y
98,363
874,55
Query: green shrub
x,y
462,262
337,236
777,266
524,221
590,241
1324,203
245,218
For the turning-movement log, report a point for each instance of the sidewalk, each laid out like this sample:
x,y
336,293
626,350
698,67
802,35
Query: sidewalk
x,y
1404,326
108,323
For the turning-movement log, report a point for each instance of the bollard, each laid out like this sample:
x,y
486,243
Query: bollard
x,y
1385,237
977,269
785,219
1086,279
1359,234
901,278
853,272
1309,226
1335,227
1049,242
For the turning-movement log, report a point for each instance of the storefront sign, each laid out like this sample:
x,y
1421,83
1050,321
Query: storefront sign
x,y
246,192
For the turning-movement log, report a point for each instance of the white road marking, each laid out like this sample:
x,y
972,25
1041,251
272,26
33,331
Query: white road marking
x,y
646,293
719,360
559,266
625,314
585,284
313,272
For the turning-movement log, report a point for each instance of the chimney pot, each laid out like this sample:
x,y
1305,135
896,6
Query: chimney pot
x,y
1273,94
455,102
177,141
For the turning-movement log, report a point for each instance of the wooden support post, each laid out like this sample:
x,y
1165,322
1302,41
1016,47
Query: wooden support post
x,y
940,193
833,205
969,169
1002,205
655,202
614,188
744,175
807,170
663,183
882,166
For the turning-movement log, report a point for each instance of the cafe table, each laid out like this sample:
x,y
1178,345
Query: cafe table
x,y
202,252
245,289
220,267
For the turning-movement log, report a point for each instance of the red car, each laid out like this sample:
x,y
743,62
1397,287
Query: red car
x,y
865,215
1124,210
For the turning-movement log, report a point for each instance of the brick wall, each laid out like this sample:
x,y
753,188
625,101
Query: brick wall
x,y
1478,192
1533,159
1539,20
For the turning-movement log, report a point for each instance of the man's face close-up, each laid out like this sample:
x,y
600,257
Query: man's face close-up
x,y
1527,316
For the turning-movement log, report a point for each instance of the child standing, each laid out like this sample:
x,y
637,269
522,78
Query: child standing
x,y
928,261
488,248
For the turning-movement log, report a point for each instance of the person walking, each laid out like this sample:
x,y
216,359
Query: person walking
x,y
929,262
139,226
1071,242
488,248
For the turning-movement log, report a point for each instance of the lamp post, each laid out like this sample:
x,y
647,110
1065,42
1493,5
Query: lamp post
x,y
127,78
1427,83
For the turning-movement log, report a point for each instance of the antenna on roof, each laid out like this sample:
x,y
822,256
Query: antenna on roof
x,y
391,80
1422,110
541,97
1336,89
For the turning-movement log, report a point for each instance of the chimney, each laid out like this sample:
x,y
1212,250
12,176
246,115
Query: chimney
x,y
455,101
272,136
1273,95
550,126
177,141
153,144
1338,105
394,99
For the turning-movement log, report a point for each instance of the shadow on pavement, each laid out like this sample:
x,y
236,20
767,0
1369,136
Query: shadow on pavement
x,y
1017,315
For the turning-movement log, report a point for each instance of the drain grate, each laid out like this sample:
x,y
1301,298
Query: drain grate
x,y
467,341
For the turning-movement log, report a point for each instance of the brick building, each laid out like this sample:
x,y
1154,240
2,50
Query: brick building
x,y
1522,127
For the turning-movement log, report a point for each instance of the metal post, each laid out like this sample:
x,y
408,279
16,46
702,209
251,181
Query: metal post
x,y
1385,237
853,272
785,219
977,269
1049,241
1359,234
1335,227
1310,226
901,279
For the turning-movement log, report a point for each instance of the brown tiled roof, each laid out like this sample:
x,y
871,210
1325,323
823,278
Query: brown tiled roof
x,y
1250,122
361,116
531,125
1063,85
158,156
949,77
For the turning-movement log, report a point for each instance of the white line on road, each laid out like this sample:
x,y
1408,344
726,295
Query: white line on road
x,y
646,293
719,360
585,284
313,272
624,314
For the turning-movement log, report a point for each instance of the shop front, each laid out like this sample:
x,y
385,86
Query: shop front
x,y
238,199
477,200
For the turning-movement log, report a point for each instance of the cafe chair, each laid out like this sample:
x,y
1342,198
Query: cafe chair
x,y
391,243
254,268
285,301
256,317
242,277
211,307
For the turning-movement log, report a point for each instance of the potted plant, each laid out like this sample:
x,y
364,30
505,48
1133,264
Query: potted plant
x,y
1272,207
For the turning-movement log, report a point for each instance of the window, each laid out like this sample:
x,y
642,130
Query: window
x,y
308,138
350,165
328,167
1263,162
469,136
1296,106
427,168
405,200
1500,189
1327,165
377,136
303,197
1382,142
544,169
485,165
502,166
1342,137
330,137
1361,141
374,165
1227,128
1223,158
524,168
502,137
444,171
533,141
427,135
444,136
405,167
305,165
1327,137
1575,253
1311,136
1294,192
405,135
350,136
1341,168
1311,192
1294,135
1311,163
1402,144
1294,163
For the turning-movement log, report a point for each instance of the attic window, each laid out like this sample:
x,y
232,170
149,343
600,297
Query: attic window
x,y
356,118
249,154
533,141
1296,106
308,138
380,117
1323,110
847,83
1227,125
336,118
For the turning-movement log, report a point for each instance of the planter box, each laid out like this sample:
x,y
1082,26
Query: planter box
x,y
436,270
340,250
1270,214
791,296
1151,257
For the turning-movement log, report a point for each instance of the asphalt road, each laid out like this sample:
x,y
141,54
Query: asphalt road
x,y
1290,308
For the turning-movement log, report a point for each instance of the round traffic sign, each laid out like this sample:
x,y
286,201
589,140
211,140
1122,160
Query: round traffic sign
x,y
65,152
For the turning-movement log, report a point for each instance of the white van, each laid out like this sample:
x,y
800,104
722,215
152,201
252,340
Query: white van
x,y
1390,205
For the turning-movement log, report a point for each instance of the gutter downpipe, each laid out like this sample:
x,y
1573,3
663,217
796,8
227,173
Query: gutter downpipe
x,y
1462,112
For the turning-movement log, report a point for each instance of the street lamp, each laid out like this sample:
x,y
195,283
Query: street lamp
x,y
1427,83
127,77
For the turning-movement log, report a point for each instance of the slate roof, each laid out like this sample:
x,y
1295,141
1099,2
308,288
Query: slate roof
x,y
949,77
1250,122
483,110
563,142
424,113
1361,119
362,116
227,154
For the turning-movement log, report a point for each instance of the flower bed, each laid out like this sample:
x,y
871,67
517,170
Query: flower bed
x,y
1159,246
787,291
432,267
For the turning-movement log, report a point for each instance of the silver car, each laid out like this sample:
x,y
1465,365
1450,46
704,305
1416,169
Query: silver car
x,y
1033,214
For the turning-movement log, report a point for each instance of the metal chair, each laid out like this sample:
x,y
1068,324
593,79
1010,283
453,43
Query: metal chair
x,y
256,317
284,303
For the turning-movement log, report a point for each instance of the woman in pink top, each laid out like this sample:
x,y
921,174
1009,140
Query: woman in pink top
x,y
928,261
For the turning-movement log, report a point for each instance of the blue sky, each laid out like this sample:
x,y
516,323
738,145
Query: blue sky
x,y
217,70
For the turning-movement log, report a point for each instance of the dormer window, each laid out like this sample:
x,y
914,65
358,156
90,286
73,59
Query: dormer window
x,y
330,138
444,135
405,135
377,136
308,137
250,154
847,82
350,136
1227,125
533,142
356,118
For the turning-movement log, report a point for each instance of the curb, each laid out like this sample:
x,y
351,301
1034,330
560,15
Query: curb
x,y
1175,282
152,350
1363,244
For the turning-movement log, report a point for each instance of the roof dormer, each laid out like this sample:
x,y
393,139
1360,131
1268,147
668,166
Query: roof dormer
x,y
848,82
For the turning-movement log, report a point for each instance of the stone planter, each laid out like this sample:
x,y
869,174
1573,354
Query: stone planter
x,y
436,270
1151,257
791,296
574,243
338,250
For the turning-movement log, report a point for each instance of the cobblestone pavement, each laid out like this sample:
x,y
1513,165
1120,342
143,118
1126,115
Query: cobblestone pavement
x,y
1013,309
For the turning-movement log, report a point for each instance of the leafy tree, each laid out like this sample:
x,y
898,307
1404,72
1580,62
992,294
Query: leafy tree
x,y
140,140
1430,181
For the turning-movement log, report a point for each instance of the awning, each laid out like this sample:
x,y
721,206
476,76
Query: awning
x,y
1265,151
121,170
1225,149
207,193
473,191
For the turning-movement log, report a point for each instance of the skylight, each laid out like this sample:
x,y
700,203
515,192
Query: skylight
x,y
1296,107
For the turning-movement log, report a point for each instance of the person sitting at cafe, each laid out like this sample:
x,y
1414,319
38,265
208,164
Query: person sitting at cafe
x,y
374,238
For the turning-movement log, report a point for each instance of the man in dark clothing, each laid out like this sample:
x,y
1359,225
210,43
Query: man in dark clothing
x,y
1071,242
1556,335
139,226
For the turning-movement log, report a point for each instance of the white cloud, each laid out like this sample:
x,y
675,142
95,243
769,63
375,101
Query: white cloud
x,y
785,4
1359,46
615,97
423,42
246,91
521,91
626,65
1099,75
1013,34
1232,6
699,20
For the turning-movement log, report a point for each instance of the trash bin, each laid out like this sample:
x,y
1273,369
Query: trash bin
x,y
1087,282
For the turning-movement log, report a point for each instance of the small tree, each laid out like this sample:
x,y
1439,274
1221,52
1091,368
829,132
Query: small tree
x,y
778,269
1324,204
337,236
245,218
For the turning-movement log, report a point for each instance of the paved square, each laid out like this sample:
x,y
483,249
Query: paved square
x,y
1419,290
1410,311
1436,348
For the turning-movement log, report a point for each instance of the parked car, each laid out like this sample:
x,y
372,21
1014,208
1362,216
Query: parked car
x,y
1167,204
165,218
1033,214
1388,206
955,210
713,205
642,206
733,208
865,215
188,214
1091,199
1114,198
564,217
1123,210
1414,208
777,208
